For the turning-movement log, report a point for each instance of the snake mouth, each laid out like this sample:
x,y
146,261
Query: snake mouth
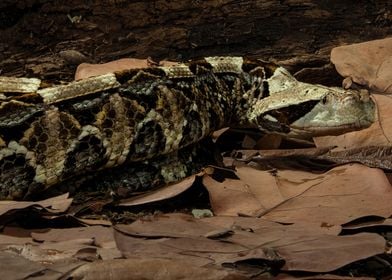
x,y
308,132
334,117
323,111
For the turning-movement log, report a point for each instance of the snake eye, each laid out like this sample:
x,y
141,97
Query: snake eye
x,y
324,100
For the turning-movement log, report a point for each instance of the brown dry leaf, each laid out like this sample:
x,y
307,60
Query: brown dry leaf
x,y
340,195
100,238
63,245
56,204
216,134
194,246
304,246
256,192
223,196
157,269
259,225
306,159
51,252
182,237
312,253
284,153
101,235
86,70
6,239
268,141
170,225
368,64
343,194
13,266
378,134
16,231
283,276
138,247
161,193
272,232
194,234
57,262
109,253
372,156
327,253
65,254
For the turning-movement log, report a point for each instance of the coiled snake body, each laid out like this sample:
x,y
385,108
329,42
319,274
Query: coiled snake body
x,y
51,134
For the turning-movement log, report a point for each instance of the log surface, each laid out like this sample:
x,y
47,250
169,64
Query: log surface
x,y
49,38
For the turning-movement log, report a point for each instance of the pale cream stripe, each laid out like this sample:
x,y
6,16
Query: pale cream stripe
x,y
22,85
79,88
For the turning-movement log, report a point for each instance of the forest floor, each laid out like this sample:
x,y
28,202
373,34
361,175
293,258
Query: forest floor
x,y
279,209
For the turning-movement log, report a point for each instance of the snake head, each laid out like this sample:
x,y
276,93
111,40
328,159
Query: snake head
x,y
305,110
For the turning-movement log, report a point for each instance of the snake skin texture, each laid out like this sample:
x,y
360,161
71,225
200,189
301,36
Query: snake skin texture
x,y
51,134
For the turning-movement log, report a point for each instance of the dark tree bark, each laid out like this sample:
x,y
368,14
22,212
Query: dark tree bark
x,y
35,33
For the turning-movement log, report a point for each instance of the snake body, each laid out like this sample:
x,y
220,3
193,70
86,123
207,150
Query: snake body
x,y
51,134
